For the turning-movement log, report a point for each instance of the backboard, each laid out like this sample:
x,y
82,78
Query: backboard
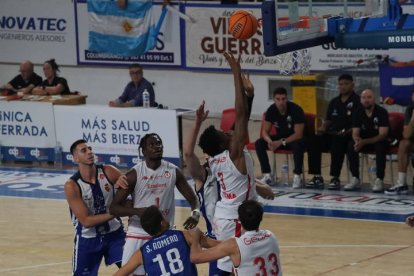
x,y
290,25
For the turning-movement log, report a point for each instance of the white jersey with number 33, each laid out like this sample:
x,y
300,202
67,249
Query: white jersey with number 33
x,y
259,254
234,186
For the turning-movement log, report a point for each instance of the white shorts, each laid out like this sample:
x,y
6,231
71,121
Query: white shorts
x,y
132,244
225,229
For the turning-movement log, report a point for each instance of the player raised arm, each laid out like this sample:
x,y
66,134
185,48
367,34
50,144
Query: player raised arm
x,y
240,130
197,171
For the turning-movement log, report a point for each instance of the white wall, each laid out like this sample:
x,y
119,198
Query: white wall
x,y
174,88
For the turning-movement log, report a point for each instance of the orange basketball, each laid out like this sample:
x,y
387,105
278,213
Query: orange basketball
x,y
242,24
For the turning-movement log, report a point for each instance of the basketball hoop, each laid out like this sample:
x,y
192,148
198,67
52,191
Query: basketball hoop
x,y
296,62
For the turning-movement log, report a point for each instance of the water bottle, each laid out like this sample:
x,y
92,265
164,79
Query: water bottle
x,y
146,99
372,171
58,155
284,174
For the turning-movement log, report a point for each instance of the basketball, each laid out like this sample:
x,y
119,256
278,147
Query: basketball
x,y
242,24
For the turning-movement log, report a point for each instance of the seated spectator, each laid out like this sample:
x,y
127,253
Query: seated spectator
x,y
405,150
132,95
26,80
333,135
289,120
53,84
370,126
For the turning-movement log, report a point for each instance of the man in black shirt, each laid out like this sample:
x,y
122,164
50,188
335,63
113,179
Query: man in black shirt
x,y
334,134
405,149
369,132
26,80
289,121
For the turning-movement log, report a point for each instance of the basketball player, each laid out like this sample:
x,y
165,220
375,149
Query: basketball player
x,y
89,193
255,252
167,252
151,182
206,184
231,165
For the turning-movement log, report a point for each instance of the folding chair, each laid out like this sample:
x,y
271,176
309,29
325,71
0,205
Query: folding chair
x,y
309,129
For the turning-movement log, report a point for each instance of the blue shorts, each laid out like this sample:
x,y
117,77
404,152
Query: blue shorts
x,y
88,252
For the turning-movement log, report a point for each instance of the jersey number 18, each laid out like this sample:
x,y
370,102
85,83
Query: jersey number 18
x,y
174,262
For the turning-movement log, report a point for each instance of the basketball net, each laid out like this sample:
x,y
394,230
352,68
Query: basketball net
x,y
296,62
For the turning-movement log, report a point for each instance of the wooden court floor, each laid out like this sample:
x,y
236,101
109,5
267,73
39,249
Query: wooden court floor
x,y
36,239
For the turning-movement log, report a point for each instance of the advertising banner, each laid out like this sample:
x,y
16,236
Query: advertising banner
x,y
27,131
208,37
37,30
115,133
59,29
329,57
167,50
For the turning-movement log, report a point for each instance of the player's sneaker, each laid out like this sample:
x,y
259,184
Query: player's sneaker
x,y
297,181
354,185
335,184
378,186
398,189
267,178
315,183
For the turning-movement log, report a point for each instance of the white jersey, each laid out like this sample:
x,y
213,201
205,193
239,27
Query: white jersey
x,y
97,198
259,254
153,187
234,186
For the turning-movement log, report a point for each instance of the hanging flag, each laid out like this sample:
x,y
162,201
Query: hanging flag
x,y
396,83
126,32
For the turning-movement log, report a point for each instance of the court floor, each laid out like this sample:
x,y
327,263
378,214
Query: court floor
x,y
320,232
37,235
